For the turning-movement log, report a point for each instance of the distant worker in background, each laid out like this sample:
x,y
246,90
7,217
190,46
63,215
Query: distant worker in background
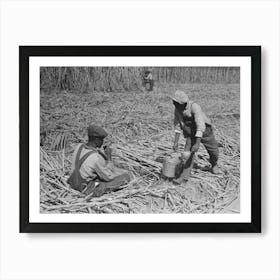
x,y
196,128
93,171
148,80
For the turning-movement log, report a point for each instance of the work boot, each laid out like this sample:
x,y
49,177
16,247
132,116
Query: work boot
x,y
215,169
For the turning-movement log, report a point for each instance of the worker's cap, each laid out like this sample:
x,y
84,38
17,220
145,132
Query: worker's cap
x,y
180,97
96,131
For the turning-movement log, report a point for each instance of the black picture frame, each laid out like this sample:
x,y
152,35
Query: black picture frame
x,y
25,52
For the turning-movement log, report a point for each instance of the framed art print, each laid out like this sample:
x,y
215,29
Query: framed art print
x,y
140,138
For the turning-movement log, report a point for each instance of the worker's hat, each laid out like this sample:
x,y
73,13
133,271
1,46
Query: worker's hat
x,y
180,97
96,131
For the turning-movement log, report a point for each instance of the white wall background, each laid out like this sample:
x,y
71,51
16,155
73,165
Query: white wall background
x,y
139,256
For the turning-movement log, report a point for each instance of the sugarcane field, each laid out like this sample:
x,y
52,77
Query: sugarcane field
x,y
124,117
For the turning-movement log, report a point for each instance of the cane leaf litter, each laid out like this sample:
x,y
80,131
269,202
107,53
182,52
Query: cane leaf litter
x,y
140,125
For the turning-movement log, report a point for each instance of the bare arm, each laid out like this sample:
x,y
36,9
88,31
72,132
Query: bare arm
x,y
176,141
108,153
177,129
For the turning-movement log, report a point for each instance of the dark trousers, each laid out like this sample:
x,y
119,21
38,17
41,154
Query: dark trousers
x,y
149,85
209,141
211,144
106,187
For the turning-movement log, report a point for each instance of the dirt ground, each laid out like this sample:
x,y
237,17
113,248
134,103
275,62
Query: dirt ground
x,y
141,131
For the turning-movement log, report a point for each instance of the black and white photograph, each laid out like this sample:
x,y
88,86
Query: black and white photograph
x,y
140,140
140,135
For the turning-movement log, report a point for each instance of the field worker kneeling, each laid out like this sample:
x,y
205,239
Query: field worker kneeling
x,y
93,171
196,128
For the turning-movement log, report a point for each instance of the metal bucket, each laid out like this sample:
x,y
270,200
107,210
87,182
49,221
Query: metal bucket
x,y
169,165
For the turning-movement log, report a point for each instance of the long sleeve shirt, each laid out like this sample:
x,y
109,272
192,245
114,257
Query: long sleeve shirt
x,y
95,166
194,113
149,76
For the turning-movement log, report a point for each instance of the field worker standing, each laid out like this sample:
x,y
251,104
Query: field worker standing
x,y
93,171
196,128
148,79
